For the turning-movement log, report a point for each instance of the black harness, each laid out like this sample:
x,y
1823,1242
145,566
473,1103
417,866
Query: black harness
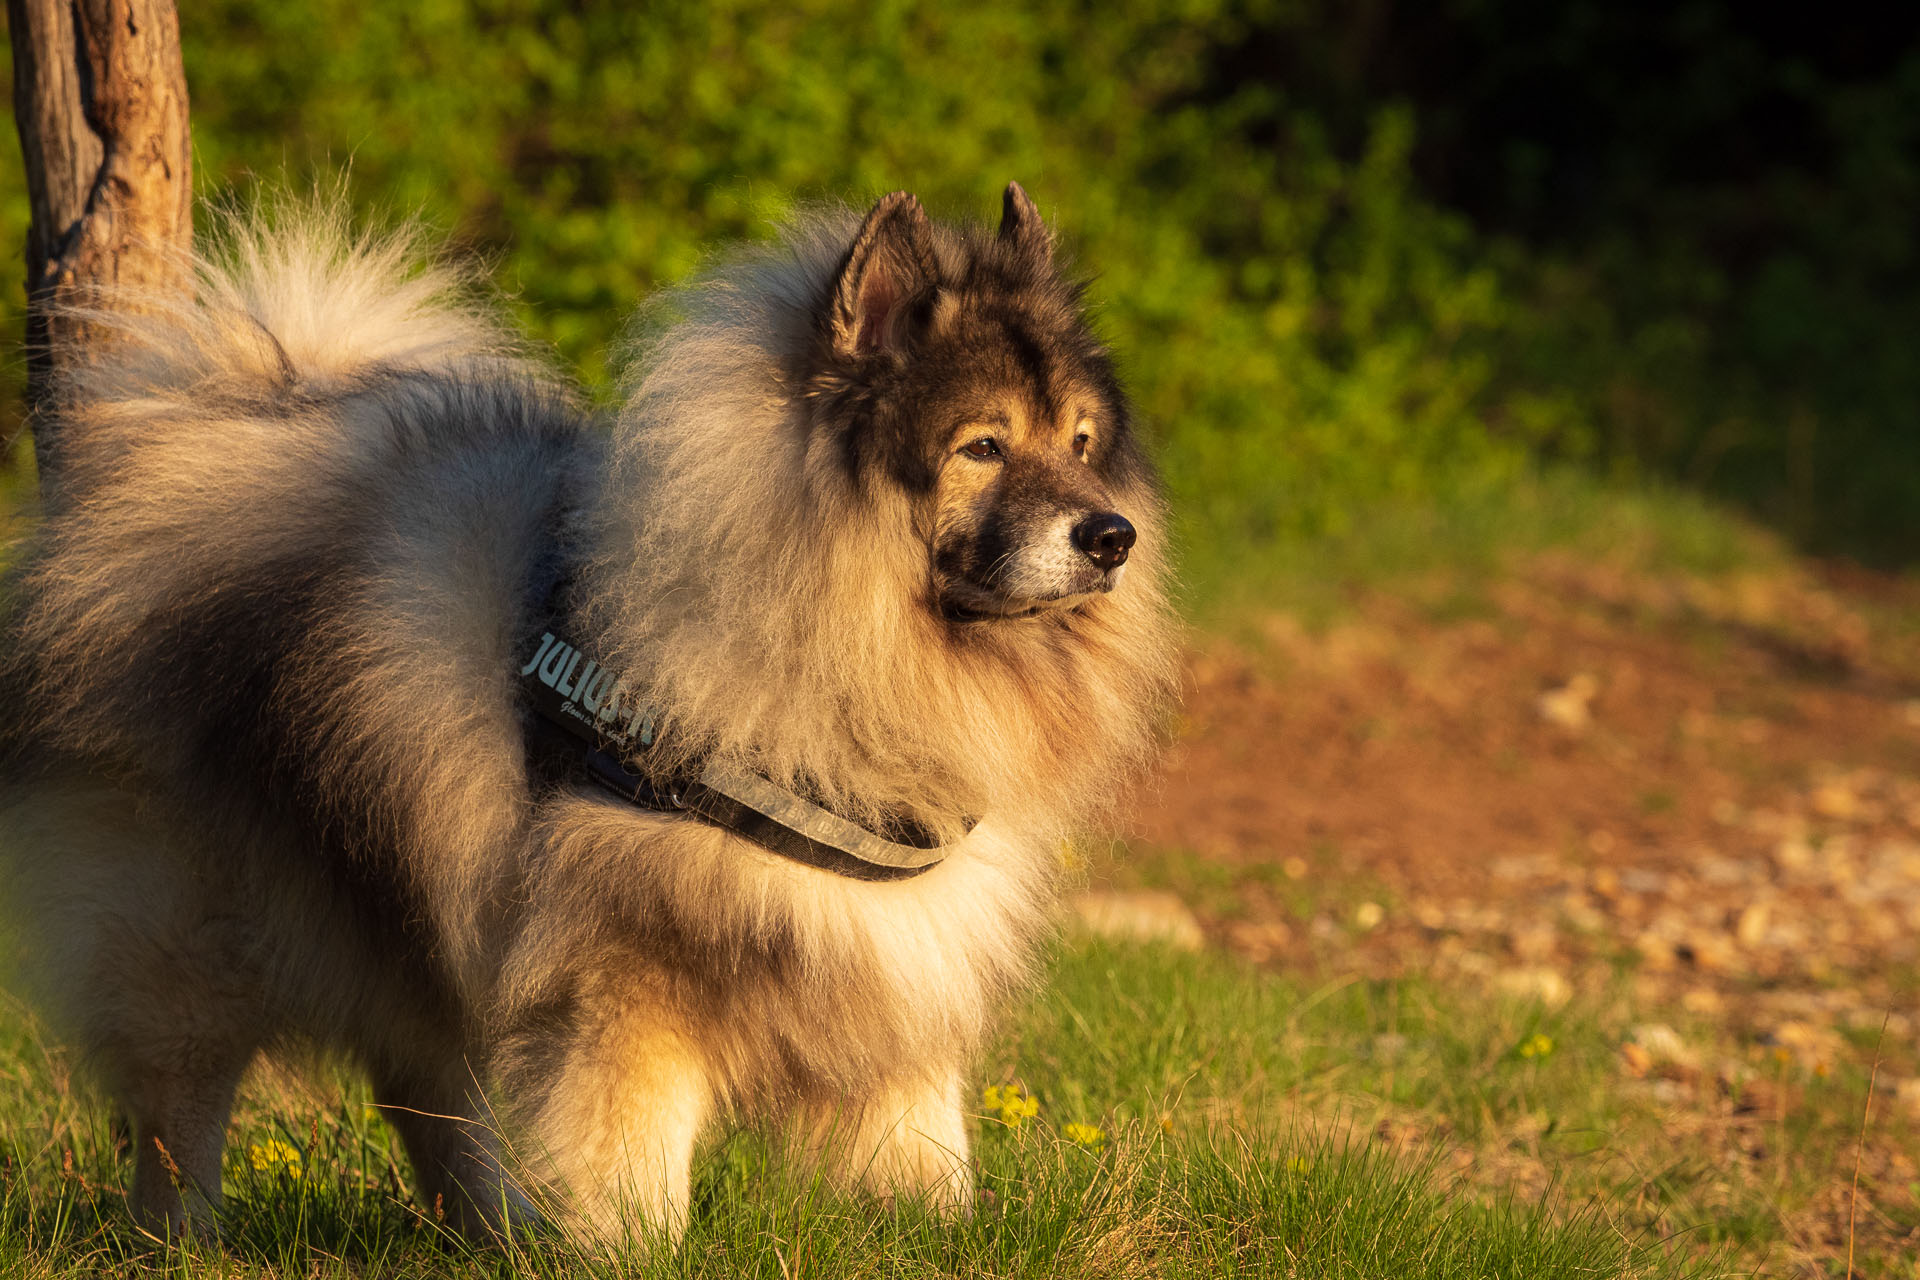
x,y
586,722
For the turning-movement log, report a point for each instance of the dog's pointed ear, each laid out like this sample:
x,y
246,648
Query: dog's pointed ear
x,y
1020,226
891,261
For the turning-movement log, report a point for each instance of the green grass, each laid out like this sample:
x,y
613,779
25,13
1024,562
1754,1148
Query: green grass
x,y
1236,1114
1242,1111
1446,548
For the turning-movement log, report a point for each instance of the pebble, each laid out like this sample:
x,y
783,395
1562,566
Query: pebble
x,y
1534,941
1794,855
1712,951
1579,911
1836,800
1900,857
1642,880
1716,870
1815,1047
1656,950
1571,705
1389,1046
1662,1044
1549,986
1260,940
1145,915
1787,924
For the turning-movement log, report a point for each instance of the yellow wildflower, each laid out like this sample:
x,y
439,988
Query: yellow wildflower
x,y
274,1155
1536,1046
1090,1136
1012,1104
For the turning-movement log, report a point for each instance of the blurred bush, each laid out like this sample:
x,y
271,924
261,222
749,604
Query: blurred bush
x,y
1710,207
1316,313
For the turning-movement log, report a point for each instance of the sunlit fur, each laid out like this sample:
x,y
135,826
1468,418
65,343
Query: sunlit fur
x,y
267,783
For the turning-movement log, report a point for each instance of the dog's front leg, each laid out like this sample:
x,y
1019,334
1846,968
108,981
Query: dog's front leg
x,y
618,1127
907,1138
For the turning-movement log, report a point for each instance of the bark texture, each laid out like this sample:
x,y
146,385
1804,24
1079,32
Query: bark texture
x,y
100,100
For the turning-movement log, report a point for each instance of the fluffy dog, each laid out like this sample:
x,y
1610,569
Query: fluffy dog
x,y
873,528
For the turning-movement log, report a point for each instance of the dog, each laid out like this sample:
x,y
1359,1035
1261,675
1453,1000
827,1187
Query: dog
x,y
873,545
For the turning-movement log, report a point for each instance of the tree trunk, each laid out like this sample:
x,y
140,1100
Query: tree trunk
x,y
100,100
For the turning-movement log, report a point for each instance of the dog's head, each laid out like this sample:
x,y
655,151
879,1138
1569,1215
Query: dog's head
x,y
959,367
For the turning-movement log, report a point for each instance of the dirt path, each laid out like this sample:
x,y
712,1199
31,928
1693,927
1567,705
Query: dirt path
x,y
1714,787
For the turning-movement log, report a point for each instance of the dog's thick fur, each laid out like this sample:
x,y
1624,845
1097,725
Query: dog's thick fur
x,y
266,781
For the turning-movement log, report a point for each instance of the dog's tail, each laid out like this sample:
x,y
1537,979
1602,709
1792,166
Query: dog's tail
x,y
283,293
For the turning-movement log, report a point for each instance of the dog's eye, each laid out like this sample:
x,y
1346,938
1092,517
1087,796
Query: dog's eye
x,y
984,447
1081,442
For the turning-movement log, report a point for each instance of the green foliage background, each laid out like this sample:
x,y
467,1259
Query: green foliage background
x,y
1320,315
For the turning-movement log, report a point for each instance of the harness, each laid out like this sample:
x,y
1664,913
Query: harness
x,y
587,723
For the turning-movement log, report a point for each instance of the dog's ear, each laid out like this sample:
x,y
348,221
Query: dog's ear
x,y
1020,226
891,262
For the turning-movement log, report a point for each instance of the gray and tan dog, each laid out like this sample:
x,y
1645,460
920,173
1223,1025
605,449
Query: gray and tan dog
x,y
873,526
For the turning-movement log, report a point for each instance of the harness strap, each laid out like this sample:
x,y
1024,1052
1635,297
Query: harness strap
x,y
600,728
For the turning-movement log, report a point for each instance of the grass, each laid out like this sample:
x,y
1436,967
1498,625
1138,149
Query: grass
x,y
1234,1110
1740,1158
1496,1096
1450,545
1251,1124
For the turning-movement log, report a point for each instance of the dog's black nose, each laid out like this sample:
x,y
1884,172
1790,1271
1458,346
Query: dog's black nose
x,y
1105,538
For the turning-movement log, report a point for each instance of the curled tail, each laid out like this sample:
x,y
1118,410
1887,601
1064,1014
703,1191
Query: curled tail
x,y
278,587
287,293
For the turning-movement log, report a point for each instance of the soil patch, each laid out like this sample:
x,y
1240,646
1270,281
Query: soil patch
x,y
1575,773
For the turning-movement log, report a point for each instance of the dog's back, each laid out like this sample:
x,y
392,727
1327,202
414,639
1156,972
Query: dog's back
x,y
260,647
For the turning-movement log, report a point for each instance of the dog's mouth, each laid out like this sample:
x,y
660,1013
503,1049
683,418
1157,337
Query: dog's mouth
x,y
965,601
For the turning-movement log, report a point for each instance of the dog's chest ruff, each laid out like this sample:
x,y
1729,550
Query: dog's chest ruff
x,y
586,721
